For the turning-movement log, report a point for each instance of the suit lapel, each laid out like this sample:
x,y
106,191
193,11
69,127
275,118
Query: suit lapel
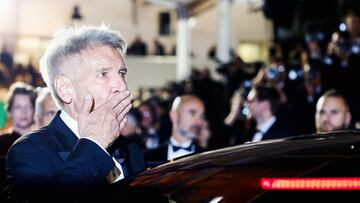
x,y
271,133
64,135
64,155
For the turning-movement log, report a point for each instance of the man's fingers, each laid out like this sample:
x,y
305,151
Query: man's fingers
x,y
123,108
117,99
123,123
120,115
87,104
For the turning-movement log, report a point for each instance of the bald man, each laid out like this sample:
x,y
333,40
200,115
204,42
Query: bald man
x,y
332,112
187,118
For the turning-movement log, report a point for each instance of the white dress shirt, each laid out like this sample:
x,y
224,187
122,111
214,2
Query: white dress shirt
x,y
73,125
181,152
152,139
262,129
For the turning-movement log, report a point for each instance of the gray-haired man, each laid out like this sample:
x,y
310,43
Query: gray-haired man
x,y
85,71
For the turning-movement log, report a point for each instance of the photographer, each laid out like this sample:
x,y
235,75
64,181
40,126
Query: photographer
x,y
274,74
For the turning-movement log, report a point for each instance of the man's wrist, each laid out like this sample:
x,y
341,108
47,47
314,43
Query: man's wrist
x,y
96,142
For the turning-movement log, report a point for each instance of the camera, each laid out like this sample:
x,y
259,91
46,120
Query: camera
x,y
274,72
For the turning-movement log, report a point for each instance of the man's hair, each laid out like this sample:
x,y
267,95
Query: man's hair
x,y
71,41
20,88
179,100
336,93
269,93
43,93
353,13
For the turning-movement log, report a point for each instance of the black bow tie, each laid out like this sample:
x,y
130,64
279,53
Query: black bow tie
x,y
176,148
119,155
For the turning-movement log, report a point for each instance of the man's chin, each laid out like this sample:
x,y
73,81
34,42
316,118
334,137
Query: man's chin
x,y
190,135
24,126
330,129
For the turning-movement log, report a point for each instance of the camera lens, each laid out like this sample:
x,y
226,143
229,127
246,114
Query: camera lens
x,y
272,73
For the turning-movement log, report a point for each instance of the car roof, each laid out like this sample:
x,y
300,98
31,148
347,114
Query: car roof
x,y
233,174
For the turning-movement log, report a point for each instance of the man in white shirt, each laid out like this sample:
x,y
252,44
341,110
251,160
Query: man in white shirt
x,y
187,118
85,71
263,103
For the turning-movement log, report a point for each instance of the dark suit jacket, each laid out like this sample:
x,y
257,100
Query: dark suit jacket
x,y
6,140
279,129
53,157
133,158
159,155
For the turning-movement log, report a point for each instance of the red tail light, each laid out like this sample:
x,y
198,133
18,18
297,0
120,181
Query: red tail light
x,y
310,183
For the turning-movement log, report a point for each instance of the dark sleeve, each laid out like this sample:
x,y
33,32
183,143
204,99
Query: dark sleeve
x,y
156,156
137,162
31,164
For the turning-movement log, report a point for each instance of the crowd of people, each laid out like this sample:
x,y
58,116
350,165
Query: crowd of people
x,y
85,127
140,48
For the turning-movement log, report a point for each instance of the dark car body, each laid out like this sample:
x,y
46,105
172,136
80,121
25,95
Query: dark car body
x,y
233,174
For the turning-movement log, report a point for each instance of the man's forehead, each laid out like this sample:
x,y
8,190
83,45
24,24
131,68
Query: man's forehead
x,y
21,97
193,105
101,59
334,103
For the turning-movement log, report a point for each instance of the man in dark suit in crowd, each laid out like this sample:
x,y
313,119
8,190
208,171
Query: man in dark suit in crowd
x,y
187,118
332,112
85,71
263,103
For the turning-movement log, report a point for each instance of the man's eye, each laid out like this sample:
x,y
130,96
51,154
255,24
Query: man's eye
x,y
334,112
122,73
321,112
102,74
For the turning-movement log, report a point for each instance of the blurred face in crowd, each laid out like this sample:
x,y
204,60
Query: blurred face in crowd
x,y
100,73
147,117
204,135
353,25
22,113
48,111
331,114
189,118
255,106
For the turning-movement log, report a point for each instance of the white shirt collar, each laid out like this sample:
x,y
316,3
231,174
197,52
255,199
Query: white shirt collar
x,y
70,122
263,128
176,143
181,152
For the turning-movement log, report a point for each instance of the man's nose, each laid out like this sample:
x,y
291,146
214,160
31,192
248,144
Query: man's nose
x,y
24,110
118,84
199,121
326,116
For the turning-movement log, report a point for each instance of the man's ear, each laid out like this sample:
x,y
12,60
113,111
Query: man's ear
x,y
173,117
64,89
347,119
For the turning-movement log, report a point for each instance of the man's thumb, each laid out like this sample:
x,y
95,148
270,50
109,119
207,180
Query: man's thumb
x,y
87,104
